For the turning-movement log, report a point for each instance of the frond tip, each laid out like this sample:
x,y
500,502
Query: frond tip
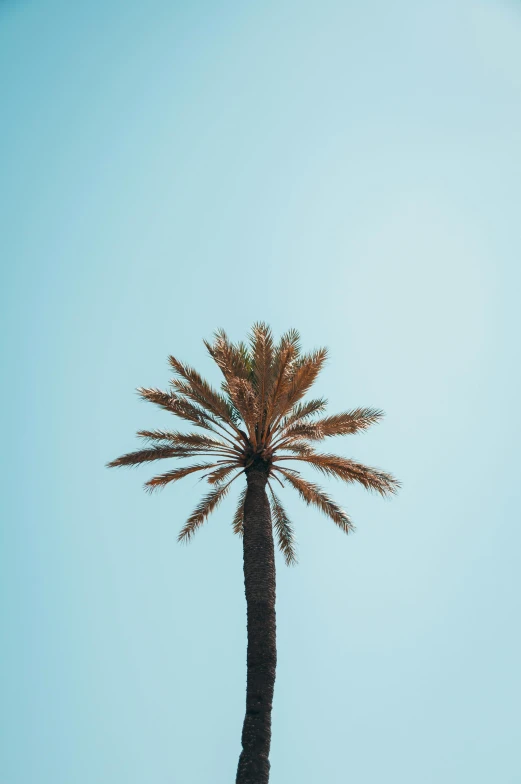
x,y
147,455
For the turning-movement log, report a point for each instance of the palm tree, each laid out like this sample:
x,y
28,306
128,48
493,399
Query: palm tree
x,y
254,426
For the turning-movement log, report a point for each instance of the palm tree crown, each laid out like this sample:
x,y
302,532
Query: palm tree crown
x,y
259,416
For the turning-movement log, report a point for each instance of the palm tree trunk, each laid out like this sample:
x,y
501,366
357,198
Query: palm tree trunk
x,y
259,582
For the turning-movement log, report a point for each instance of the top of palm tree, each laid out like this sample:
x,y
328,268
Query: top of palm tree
x,y
258,420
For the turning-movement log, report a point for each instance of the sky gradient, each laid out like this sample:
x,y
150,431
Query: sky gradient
x,y
354,171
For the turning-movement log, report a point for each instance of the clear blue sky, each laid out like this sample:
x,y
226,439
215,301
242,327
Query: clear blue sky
x,y
349,169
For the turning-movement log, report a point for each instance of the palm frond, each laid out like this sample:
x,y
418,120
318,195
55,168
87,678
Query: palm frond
x,y
178,406
221,473
291,338
262,350
202,511
302,411
197,389
185,410
313,494
339,424
348,422
244,399
298,448
285,358
349,471
238,518
283,529
177,473
302,378
162,435
298,431
233,361
147,455
195,440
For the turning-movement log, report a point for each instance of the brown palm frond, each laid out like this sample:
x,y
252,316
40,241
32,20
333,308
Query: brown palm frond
x,y
195,388
298,448
186,392
349,422
297,432
202,511
283,529
244,399
162,435
302,378
190,412
313,494
238,518
195,440
346,423
177,473
302,411
291,338
286,354
221,473
147,455
349,471
233,361
282,368
262,351
178,406
184,389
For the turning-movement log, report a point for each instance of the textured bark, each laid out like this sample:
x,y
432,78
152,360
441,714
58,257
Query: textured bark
x,y
259,583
